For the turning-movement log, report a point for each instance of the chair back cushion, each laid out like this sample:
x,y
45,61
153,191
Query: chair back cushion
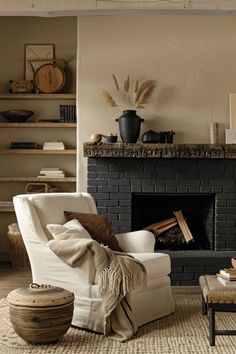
x,y
49,207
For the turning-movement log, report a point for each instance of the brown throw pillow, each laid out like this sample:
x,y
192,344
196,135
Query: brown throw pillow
x,y
97,226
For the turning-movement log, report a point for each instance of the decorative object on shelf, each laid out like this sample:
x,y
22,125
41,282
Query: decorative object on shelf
x,y
49,78
23,145
232,110
95,138
129,99
67,113
53,145
214,133
110,138
151,137
33,188
37,53
166,137
129,126
17,115
230,136
21,86
41,313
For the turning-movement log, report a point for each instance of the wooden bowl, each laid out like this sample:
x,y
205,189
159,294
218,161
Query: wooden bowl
x,y
17,115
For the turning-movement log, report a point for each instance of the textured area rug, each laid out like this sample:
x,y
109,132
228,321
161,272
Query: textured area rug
x,y
184,332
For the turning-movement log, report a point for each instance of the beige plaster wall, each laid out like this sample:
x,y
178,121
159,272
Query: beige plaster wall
x,y
192,58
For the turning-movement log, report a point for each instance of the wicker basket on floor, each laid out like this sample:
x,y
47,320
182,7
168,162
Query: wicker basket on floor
x,y
17,250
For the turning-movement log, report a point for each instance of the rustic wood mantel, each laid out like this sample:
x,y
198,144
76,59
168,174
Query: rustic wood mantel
x,y
161,151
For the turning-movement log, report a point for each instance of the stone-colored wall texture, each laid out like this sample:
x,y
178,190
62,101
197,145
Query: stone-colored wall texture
x,y
192,59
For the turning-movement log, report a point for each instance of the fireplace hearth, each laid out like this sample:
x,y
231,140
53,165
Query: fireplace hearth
x,y
203,188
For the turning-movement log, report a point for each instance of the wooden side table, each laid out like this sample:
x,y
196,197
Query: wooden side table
x,y
41,314
216,298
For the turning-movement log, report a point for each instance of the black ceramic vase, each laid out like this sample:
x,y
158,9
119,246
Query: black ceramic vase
x,y
129,126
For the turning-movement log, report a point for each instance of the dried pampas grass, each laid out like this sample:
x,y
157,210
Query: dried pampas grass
x,y
108,98
132,96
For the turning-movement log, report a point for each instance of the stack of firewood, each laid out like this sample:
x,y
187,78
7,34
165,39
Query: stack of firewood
x,y
172,233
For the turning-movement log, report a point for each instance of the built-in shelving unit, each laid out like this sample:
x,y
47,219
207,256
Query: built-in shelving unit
x,y
37,158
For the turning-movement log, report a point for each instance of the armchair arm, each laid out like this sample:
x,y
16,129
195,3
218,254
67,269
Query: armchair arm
x,y
48,268
137,241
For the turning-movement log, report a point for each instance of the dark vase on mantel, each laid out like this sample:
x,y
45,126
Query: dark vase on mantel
x,y
129,126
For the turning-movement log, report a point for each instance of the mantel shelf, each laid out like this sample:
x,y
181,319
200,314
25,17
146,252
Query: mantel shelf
x,y
161,151
37,96
37,125
36,179
36,152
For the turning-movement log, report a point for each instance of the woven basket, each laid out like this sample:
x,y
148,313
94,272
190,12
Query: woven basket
x,y
17,250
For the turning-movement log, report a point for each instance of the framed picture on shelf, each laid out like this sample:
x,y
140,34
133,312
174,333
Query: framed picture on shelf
x,y
37,55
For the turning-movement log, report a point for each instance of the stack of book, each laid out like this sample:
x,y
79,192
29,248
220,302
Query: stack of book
x,y
53,172
67,113
6,204
227,276
23,145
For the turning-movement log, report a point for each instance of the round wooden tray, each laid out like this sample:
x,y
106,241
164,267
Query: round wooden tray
x,y
49,78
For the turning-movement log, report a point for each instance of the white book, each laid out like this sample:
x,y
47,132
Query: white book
x,y
50,169
42,172
226,282
51,176
54,145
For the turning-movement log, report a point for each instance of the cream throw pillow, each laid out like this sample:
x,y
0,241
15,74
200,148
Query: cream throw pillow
x,y
71,229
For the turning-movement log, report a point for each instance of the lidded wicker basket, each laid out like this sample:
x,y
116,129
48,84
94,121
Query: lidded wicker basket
x,y
41,313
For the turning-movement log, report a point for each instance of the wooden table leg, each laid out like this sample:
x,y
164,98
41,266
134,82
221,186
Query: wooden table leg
x,y
212,325
204,306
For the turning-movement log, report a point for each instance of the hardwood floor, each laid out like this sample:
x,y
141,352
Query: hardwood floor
x,y
11,279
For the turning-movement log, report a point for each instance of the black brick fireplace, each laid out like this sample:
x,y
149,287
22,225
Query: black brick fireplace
x,y
116,184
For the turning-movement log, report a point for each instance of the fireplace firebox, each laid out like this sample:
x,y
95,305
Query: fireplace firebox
x,y
198,210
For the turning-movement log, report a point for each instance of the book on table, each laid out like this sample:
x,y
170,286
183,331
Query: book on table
x,y
228,273
226,282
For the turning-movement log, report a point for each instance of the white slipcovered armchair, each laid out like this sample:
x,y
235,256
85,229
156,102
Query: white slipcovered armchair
x,y
35,211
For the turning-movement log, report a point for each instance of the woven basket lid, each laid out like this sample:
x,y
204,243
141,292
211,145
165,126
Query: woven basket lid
x,y
43,295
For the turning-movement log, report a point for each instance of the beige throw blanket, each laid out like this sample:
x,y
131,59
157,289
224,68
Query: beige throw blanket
x,y
116,274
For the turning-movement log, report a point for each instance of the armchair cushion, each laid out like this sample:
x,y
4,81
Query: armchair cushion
x,y
98,227
72,228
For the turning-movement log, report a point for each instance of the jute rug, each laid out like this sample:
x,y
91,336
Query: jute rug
x,y
184,332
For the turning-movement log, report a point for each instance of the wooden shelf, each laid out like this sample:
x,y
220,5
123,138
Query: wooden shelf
x,y
7,209
36,152
37,96
37,125
36,179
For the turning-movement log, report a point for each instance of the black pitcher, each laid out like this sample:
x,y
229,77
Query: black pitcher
x,y
129,126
